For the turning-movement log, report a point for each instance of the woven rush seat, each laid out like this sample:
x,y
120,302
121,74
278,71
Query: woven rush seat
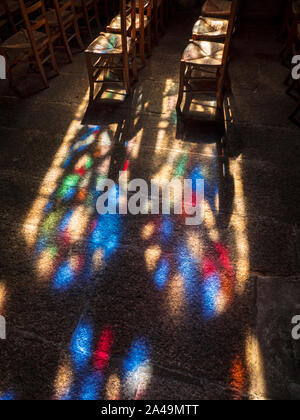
x,y
204,53
109,44
115,24
20,43
52,18
216,8
211,27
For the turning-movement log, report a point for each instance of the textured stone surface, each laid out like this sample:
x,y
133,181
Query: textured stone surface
x,y
145,306
274,326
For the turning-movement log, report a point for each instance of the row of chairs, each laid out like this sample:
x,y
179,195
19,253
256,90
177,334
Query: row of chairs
x,y
112,56
87,10
291,32
204,63
37,29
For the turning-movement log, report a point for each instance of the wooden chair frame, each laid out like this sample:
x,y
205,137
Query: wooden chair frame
x,y
221,14
99,62
65,25
83,13
187,68
144,34
11,15
37,49
143,8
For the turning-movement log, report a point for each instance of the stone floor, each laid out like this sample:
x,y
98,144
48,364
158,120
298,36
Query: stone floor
x,y
144,306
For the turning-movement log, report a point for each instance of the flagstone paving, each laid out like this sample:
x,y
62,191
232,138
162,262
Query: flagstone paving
x,y
147,307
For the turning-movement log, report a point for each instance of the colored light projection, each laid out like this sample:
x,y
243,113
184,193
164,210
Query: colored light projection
x,y
189,266
70,219
202,262
8,396
88,375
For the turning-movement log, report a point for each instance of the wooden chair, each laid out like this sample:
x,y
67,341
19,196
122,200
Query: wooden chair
x,y
9,12
143,27
211,60
114,52
89,12
63,23
216,8
30,45
210,29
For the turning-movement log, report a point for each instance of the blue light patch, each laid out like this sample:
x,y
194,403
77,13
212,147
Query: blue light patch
x,y
210,291
195,175
138,356
91,387
64,276
48,207
41,244
65,222
106,235
70,193
81,346
162,274
8,396
167,228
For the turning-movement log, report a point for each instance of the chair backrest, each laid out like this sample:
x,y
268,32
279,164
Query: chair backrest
x,y
39,21
142,8
231,26
9,15
127,11
64,6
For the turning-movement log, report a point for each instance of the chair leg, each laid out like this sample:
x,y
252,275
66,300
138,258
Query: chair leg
x,y
149,44
42,71
78,36
220,92
142,47
155,24
126,78
90,74
181,85
67,46
134,65
220,98
53,59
